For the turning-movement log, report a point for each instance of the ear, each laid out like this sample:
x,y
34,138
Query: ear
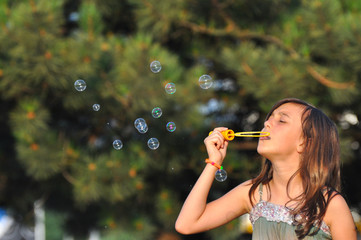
x,y
301,145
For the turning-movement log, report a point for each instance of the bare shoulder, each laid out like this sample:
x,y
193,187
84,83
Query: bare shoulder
x,y
336,205
339,218
241,191
244,187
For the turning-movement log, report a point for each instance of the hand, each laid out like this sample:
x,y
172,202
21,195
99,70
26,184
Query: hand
x,y
216,145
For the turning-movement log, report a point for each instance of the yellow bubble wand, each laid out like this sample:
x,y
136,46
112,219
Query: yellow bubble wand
x,y
230,134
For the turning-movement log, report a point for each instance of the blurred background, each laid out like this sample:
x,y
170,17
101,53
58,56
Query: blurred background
x,y
61,177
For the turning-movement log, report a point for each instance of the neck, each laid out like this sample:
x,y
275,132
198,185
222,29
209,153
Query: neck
x,y
282,173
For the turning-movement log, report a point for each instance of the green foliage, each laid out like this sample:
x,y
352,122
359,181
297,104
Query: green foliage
x,y
90,19
256,51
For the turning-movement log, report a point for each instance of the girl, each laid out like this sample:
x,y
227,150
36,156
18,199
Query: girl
x,y
295,196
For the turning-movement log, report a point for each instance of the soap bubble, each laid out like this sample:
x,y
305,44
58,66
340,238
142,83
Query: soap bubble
x,y
221,175
117,144
170,88
141,125
80,85
205,81
153,143
155,66
171,126
157,112
96,107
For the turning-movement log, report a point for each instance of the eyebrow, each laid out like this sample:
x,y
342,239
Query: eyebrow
x,y
284,114
281,113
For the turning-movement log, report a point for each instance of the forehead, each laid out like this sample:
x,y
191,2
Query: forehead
x,y
291,110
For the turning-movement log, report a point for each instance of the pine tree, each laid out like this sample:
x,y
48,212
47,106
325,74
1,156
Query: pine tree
x,y
257,52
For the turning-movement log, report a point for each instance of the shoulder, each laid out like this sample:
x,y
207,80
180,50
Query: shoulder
x,y
338,216
244,187
336,204
242,194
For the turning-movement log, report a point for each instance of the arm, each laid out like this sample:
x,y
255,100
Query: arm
x,y
198,216
340,220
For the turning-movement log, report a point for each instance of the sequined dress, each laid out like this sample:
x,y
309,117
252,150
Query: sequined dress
x,y
274,222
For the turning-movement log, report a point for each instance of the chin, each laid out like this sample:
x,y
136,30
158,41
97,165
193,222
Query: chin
x,y
263,152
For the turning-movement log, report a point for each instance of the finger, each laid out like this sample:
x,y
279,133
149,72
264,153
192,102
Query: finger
x,y
225,144
217,134
219,138
219,141
214,140
220,129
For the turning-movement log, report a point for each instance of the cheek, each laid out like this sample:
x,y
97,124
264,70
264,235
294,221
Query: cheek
x,y
292,142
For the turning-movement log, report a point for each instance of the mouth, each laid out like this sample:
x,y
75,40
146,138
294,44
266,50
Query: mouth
x,y
265,138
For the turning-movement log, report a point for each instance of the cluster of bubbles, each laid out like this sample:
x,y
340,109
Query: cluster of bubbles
x,y
205,82
80,86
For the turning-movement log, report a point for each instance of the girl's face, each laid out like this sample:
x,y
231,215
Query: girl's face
x,y
285,128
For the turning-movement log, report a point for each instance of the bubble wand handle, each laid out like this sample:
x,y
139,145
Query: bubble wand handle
x,y
229,134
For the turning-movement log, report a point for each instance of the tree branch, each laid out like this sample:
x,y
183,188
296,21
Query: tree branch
x,y
231,29
323,80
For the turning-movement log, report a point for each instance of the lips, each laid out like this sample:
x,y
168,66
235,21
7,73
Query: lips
x,y
265,138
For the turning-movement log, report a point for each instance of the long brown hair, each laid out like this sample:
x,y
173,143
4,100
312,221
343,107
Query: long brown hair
x,y
319,168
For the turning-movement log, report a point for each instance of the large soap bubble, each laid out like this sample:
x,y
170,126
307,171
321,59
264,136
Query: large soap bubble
x,y
141,125
221,175
153,143
117,144
157,112
96,107
170,88
205,81
155,66
171,126
80,85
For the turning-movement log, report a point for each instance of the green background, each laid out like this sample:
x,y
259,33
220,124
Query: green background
x,y
56,149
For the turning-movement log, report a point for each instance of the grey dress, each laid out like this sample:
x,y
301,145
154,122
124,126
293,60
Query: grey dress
x,y
274,222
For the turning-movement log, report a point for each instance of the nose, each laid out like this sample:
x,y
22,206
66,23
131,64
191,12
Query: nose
x,y
267,124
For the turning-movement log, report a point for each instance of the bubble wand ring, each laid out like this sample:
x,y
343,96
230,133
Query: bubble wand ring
x,y
230,134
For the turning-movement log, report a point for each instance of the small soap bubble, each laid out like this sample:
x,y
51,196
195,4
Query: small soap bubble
x,y
117,144
96,107
205,81
153,143
170,88
157,112
171,126
143,129
80,85
155,66
141,125
221,175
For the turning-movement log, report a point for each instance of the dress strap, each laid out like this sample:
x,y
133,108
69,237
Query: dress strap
x,y
260,191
